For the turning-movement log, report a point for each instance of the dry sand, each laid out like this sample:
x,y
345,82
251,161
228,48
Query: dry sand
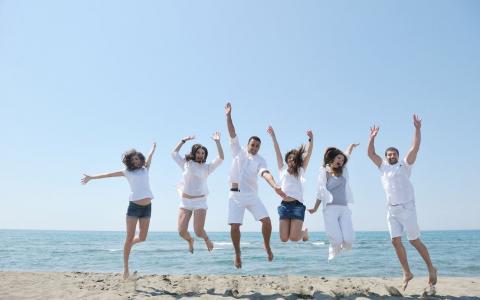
x,y
80,285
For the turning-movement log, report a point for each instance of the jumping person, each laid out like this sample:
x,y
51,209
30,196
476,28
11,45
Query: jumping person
x,y
401,215
247,165
140,206
193,188
334,190
292,209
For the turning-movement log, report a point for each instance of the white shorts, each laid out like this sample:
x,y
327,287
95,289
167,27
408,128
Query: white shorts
x,y
193,204
403,218
237,203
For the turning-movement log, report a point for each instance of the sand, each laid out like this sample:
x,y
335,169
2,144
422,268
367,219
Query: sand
x,y
82,285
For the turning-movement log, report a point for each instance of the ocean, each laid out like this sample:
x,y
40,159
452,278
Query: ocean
x,y
454,253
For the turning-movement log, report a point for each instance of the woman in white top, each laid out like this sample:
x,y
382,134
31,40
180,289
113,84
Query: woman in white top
x,y
292,209
193,188
140,207
334,191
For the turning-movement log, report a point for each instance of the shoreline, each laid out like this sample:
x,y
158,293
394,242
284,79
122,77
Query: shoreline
x,y
89,285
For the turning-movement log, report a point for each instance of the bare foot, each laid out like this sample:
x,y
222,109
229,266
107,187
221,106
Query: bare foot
x,y
238,261
305,235
190,245
269,254
126,274
406,279
209,244
432,276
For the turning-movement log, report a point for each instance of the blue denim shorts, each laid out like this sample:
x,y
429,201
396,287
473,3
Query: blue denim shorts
x,y
292,210
139,211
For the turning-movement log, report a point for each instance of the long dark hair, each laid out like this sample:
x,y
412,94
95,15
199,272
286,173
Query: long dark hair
x,y
127,159
297,160
329,157
195,148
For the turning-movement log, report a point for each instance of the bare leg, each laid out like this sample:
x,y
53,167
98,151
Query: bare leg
x,y
267,233
131,225
143,223
235,235
199,216
284,230
183,219
402,257
296,232
432,271
305,235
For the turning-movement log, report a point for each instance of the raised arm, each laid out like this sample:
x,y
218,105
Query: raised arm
x,y
87,178
150,155
228,113
278,153
412,153
350,148
176,157
269,178
377,160
216,138
182,142
306,159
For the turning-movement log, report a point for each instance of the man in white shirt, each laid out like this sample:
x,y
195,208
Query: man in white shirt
x,y
402,215
247,164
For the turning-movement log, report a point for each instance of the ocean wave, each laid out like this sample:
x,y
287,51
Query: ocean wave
x,y
229,243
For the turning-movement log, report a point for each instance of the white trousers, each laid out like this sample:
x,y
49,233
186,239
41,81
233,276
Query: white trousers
x,y
339,229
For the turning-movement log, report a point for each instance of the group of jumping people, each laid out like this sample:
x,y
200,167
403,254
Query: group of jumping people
x,y
333,193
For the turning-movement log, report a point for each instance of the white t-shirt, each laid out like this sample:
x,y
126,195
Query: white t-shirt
x,y
292,185
396,182
194,181
245,168
139,184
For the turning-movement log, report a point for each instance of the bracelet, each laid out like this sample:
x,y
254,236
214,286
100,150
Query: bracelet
x,y
309,140
183,141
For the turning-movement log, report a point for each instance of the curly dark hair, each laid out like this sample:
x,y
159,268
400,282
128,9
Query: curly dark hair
x,y
297,160
127,159
195,148
329,157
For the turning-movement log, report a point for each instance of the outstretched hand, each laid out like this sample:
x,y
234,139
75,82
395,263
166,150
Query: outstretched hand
x,y
374,131
354,145
270,130
188,138
417,122
85,179
310,134
216,136
228,109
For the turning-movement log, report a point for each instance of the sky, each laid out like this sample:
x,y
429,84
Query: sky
x,y
83,81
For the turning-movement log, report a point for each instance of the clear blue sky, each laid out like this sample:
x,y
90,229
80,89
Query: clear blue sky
x,y
83,81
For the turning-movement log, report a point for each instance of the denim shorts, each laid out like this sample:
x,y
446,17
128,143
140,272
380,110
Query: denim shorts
x,y
139,211
292,210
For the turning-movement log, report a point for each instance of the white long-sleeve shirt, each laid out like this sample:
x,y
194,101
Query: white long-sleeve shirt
x,y
194,177
245,168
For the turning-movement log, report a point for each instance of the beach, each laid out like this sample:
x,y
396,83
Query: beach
x,y
89,285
